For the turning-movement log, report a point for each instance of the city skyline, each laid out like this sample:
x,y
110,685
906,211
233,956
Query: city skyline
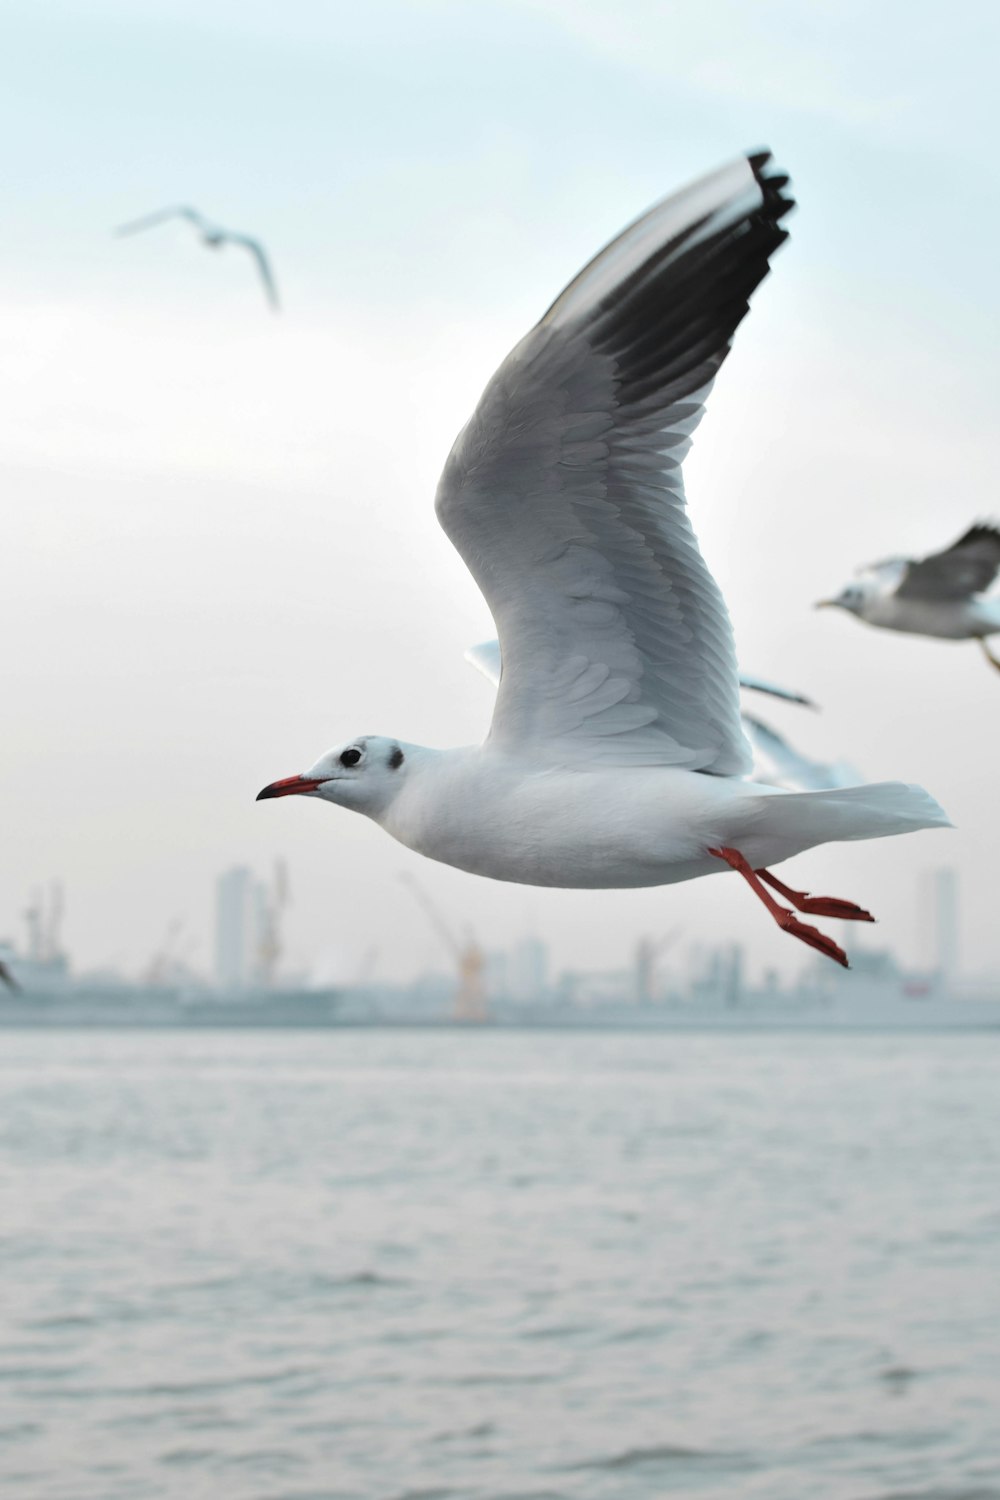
x,y
222,520
243,949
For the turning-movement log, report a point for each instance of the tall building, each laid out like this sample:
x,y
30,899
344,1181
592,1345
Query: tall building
x,y
248,915
946,922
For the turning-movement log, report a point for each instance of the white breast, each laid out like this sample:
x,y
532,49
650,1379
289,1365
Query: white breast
x,y
495,816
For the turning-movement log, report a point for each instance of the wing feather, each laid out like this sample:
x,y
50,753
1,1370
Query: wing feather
x,y
965,568
564,492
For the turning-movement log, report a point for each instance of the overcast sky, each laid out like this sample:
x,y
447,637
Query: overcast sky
x,y
220,550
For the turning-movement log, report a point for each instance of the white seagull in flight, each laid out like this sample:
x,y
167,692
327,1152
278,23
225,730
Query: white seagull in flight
x,y
615,757
933,595
214,236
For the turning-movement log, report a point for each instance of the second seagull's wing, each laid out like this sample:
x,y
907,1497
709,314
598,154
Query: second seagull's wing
x,y
965,568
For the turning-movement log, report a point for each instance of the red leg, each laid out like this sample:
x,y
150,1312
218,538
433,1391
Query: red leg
x,y
787,920
817,906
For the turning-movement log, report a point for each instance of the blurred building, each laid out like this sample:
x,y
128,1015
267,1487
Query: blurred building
x,y
939,916
236,915
248,915
495,979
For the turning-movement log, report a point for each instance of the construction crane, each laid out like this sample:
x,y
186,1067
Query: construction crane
x,y
57,908
168,965
470,960
44,924
647,951
273,903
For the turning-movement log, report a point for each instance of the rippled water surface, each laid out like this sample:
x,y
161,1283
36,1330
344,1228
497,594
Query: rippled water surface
x,y
369,1265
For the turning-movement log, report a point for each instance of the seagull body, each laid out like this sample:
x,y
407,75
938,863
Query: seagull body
x,y
933,596
616,756
498,816
214,236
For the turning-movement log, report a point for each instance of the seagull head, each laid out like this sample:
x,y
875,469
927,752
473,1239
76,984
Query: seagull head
x,y
365,774
852,597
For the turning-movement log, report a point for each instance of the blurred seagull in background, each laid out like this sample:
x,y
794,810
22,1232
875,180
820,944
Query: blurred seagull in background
x,y
615,757
214,237
934,595
776,762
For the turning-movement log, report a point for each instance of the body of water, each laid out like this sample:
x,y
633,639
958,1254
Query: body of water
x,y
376,1265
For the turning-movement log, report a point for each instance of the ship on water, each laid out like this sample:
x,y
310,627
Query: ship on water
x,y
248,991
49,994
875,995
487,990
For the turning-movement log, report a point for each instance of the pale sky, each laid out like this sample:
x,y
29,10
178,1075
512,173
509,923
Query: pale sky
x,y
221,555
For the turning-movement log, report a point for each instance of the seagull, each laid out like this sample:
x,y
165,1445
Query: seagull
x,y
933,595
215,237
615,756
775,761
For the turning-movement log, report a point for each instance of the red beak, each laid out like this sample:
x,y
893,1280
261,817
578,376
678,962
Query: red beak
x,y
288,787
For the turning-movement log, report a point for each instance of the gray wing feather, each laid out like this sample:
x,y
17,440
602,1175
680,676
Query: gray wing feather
x,y
564,492
263,265
486,658
135,226
965,568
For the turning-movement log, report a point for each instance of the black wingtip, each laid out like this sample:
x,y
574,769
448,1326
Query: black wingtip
x,y
772,182
980,531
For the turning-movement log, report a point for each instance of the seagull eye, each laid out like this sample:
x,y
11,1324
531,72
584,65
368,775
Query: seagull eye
x,y
350,757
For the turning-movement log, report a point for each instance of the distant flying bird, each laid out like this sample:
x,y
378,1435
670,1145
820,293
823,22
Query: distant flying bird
x,y
215,237
933,595
8,977
615,757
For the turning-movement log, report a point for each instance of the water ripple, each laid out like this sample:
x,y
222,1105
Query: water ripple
x,y
377,1266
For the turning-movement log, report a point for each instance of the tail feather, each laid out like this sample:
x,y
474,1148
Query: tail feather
x,y
786,825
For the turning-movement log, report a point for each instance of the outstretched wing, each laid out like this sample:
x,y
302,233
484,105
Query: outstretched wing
x,y
758,685
263,265
135,226
965,568
486,658
564,494
778,763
